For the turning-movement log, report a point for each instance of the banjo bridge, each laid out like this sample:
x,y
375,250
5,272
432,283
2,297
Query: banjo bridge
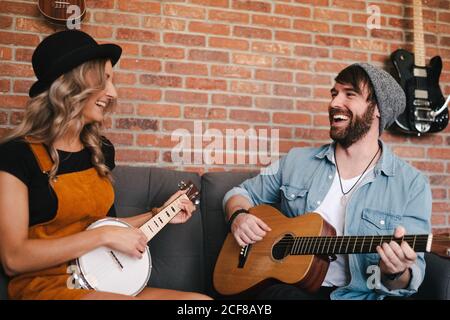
x,y
116,260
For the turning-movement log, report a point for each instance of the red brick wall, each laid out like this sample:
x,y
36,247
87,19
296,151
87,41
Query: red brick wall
x,y
234,64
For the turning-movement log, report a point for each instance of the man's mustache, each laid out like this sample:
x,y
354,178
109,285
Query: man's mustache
x,y
334,111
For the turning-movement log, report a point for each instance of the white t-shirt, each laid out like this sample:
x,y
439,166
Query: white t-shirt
x,y
332,209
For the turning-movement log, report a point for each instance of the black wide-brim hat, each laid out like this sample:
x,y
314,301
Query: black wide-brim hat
x,y
63,51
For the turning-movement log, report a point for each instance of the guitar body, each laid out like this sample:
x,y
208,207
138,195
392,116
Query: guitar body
x,y
110,271
409,121
297,251
264,264
56,11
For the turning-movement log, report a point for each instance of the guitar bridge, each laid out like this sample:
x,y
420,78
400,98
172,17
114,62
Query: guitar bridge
x,y
243,255
116,260
423,114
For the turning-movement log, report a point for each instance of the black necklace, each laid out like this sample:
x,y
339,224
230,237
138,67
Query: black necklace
x,y
344,194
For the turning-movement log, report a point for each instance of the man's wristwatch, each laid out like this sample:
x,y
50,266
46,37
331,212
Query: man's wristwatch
x,y
234,216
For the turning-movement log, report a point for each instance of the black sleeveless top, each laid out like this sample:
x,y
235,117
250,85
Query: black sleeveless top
x,y
17,159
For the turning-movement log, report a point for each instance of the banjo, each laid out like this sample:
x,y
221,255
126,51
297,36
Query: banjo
x,y
103,269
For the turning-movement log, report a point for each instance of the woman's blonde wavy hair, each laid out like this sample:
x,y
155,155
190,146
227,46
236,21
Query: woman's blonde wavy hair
x,y
51,114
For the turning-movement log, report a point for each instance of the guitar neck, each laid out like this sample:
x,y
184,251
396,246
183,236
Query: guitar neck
x,y
159,221
351,244
419,42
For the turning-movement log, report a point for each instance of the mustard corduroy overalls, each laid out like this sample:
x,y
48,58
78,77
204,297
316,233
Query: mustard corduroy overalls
x,y
83,197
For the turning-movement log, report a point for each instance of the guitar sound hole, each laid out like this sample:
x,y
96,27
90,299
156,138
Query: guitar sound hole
x,y
283,247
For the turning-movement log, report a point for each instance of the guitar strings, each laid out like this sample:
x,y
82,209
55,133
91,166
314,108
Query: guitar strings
x,y
312,243
302,246
358,239
352,241
317,244
329,243
339,238
321,248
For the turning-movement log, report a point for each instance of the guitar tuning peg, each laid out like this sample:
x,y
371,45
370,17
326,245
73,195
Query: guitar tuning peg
x,y
181,185
197,202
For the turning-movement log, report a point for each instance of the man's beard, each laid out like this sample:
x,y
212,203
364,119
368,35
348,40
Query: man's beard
x,y
355,130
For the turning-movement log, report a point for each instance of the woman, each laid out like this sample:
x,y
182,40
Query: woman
x,y
55,175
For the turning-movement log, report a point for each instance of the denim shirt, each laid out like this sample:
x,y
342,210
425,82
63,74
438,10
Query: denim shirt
x,y
394,194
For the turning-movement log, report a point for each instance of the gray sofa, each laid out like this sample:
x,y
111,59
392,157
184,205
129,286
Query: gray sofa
x,y
184,255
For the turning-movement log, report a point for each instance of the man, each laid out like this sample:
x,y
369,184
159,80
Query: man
x,y
356,183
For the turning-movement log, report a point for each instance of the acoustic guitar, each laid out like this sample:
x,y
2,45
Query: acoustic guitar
x,y
297,251
426,109
60,11
103,269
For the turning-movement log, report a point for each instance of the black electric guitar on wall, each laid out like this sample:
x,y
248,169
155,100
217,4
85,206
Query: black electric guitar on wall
x,y
426,109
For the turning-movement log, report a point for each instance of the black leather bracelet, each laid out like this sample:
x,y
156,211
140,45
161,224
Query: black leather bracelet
x,y
395,276
234,216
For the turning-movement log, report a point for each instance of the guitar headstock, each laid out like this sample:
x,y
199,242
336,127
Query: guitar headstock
x,y
192,192
441,245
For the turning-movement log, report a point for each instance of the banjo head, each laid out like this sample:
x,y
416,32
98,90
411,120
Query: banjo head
x,y
106,270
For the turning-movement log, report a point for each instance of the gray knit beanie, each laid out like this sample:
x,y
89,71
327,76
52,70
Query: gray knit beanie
x,y
390,96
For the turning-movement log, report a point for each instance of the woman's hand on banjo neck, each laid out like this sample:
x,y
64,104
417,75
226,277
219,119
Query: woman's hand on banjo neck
x,y
132,241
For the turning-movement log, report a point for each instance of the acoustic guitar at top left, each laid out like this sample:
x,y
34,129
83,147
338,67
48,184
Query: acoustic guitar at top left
x,y
60,11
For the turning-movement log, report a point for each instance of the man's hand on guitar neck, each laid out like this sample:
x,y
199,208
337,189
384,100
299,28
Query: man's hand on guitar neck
x,y
396,261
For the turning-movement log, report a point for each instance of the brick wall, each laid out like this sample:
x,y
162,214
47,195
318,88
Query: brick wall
x,y
234,64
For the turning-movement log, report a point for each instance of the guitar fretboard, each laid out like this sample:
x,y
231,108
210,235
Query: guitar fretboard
x,y
419,43
349,244
156,223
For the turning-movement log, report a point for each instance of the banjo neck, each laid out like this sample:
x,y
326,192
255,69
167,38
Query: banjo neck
x,y
158,221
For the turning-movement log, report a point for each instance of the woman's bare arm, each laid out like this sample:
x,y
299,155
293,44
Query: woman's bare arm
x,y
139,220
19,254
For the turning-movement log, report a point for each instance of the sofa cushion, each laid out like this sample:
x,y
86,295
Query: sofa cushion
x,y
177,251
214,187
436,284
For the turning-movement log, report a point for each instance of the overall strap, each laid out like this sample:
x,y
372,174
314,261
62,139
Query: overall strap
x,y
41,154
